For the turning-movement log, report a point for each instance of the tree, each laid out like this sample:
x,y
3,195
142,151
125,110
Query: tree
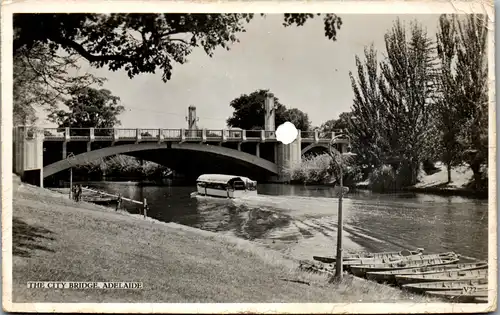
x,y
89,108
41,80
335,124
407,89
140,43
472,91
298,118
446,119
368,131
249,113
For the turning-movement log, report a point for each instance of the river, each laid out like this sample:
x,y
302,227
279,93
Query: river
x,y
301,221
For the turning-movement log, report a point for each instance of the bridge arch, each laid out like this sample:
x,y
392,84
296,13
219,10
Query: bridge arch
x,y
313,145
84,158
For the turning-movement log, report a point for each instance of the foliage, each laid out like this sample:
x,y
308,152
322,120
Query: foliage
x,y
392,108
140,43
382,179
407,88
334,124
321,169
124,166
41,80
368,130
446,110
298,118
472,92
249,113
89,107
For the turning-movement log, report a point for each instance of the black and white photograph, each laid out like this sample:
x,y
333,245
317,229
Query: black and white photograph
x,y
229,157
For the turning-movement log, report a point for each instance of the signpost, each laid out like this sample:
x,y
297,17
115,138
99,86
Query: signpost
x,y
339,258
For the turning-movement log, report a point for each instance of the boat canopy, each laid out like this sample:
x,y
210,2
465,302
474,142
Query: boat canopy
x,y
222,179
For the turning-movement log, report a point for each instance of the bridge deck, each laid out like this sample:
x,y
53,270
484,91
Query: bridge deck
x,y
176,135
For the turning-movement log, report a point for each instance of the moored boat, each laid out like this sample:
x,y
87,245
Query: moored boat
x,y
367,255
460,296
225,186
361,270
443,276
445,285
390,276
373,261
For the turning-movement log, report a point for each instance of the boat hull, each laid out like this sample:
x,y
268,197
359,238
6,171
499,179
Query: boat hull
x,y
361,270
216,193
444,285
443,276
382,255
390,276
459,296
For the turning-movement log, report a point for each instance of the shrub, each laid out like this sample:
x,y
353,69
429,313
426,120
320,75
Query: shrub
x,y
316,170
383,179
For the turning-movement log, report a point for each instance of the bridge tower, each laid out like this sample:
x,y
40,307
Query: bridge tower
x,y
269,116
192,119
285,155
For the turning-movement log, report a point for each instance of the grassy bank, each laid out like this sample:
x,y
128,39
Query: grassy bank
x,y
55,239
437,183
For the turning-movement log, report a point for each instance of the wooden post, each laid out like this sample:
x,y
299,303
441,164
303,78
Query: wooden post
x,y
145,208
71,183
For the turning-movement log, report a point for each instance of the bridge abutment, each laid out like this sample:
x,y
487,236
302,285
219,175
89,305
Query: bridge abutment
x,y
28,155
287,156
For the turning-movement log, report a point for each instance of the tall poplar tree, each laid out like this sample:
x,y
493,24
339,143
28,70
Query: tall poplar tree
x,y
407,89
446,107
367,129
472,91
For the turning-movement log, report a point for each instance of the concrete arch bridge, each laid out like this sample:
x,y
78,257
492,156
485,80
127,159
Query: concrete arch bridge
x,y
41,153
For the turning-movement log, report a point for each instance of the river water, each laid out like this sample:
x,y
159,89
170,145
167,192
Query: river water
x,y
301,221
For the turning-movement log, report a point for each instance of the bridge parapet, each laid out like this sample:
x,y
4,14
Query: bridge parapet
x,y
177,135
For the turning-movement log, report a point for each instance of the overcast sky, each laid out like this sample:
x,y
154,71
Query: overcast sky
x,y
299,65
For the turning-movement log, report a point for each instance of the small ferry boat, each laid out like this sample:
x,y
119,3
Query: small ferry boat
x,y
225,186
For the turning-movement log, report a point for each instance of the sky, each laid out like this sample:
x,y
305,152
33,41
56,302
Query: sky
x,y
299,65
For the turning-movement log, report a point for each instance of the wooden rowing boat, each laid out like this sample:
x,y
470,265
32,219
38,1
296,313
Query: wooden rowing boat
x,y
373,261
361,270
390,276
445,285
443,276
366,255
460,296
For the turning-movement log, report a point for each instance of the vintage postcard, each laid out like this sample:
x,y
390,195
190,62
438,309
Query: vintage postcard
x,y
256,156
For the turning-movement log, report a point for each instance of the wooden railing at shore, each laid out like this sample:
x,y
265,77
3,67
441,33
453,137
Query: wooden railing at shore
x,y
144,203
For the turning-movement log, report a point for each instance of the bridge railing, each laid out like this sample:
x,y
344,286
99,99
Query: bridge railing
x,y
103,133
270,134
234,134
129,134
126,134
193,134
214,134
54,133
253,134
171,134
307,134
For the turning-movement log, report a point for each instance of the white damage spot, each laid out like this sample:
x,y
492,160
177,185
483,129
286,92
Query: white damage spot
x,y
286,133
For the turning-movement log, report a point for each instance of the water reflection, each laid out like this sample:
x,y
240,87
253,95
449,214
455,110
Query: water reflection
x,y
301,220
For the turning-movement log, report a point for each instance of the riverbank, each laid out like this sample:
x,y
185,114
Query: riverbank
x,y
56,239
437,183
